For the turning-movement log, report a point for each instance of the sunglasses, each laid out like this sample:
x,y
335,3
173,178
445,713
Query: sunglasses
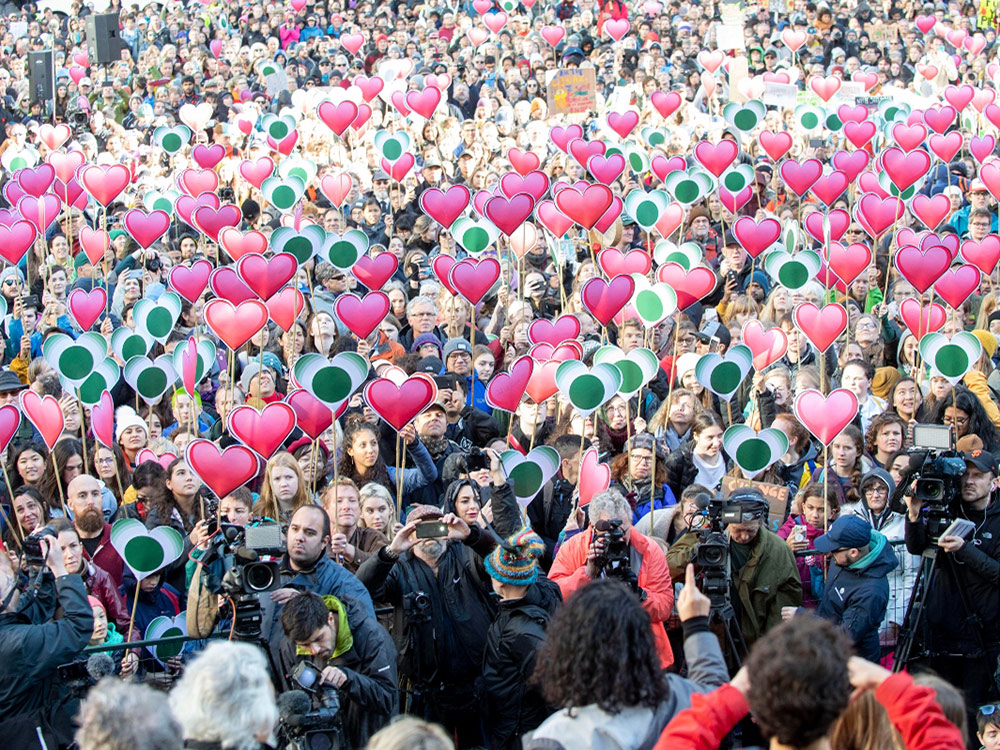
x,y
989,709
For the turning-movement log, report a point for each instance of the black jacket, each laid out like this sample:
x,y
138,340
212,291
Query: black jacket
x,y
681,470
30,653
512,705
548,513
369,698
973,571
441,618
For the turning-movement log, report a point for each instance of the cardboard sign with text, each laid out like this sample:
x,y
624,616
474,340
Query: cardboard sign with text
x,y
775,494
571,91
883,33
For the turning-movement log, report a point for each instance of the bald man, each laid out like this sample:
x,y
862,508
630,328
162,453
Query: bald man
x,y
84,500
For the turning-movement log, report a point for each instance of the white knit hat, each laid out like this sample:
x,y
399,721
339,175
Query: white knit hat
x,y
126,417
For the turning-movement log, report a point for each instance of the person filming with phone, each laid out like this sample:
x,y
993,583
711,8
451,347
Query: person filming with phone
x,y
960,631
433,575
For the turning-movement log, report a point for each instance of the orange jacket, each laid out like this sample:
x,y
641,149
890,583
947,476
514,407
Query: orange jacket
x,y
569,571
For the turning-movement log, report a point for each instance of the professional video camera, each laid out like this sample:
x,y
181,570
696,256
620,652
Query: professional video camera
x,y
250,558
303,726
616,560
711,553
934,477
77,677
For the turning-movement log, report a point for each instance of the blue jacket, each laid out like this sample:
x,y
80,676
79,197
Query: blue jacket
x,y
856,596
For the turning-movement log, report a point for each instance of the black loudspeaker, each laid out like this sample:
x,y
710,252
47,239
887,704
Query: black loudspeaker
x,y
41,78
104,42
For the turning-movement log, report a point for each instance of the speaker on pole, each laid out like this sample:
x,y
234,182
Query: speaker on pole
x,y
41,76
104,42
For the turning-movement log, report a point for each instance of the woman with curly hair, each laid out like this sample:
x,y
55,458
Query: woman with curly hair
x,y
632,475
621,701
886,435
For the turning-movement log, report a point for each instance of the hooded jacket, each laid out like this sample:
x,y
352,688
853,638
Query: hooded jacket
x,y
513,706
804,564
856,596
892,526
365,653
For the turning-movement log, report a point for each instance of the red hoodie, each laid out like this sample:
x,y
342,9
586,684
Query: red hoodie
x,y
912,709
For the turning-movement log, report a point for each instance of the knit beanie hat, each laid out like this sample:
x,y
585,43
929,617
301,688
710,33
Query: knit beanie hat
x,y
516,562
988,340
126,417
95,602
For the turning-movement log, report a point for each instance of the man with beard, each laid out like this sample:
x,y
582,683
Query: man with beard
x,y
441,595
85,501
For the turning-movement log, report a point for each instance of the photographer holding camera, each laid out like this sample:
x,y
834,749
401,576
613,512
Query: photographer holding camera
x,y
611,548
352,655
30,651
762,568
961,623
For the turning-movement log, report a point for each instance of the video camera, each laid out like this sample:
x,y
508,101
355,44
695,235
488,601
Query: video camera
x,y
616,560
935,475
303,725
711,553
251,558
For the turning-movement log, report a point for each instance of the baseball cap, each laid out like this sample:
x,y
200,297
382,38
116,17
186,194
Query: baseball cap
x,y
984,461
952,190
977,185
845,533
430,365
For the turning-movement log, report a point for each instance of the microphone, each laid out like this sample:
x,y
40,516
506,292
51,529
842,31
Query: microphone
x,y
100,665
702,500
293,703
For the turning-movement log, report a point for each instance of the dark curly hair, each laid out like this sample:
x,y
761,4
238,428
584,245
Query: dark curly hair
x,y
599,649
798,678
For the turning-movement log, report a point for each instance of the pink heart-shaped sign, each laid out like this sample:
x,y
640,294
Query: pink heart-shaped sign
x,y
235,324
554,332
285,307
821,325
164,459
826,416
222,471
312,415
87,307
922,319
264,431
506,389
102,420
362,315
266,276
375,272
595,477
605,299
767,346
399,404
45,414
473,278
190,281
10,420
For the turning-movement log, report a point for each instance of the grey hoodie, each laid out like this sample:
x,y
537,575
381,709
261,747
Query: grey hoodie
x,y
635,728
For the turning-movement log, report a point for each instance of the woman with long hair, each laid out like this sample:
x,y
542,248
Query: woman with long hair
x,y
800,531
362,461
67,455
377,511
181,508
284,490
700,460
29,513
110,466
27,464
847,465
674,417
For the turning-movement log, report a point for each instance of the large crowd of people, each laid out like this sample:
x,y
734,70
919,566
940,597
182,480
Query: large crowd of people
x,y
579,374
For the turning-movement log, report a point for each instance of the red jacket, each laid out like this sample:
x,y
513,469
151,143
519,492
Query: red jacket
x,y
913,710
100,586
569,571
107,558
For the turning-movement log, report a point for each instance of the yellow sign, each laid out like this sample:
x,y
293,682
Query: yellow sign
x,y
572,90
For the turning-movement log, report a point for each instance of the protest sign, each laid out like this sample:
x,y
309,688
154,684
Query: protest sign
x,y
572,90
775,494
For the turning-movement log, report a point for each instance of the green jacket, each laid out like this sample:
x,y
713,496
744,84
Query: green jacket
x,y
769,581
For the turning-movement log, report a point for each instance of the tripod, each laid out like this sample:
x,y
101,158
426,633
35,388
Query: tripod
x,y
724,613
916,611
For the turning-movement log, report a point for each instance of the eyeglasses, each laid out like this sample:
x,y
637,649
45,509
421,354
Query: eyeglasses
x,y
989,709
876,490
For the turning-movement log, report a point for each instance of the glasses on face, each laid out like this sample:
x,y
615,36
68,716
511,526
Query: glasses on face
x,y
637,459
875,490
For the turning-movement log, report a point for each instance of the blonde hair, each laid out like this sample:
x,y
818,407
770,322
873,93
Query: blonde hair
x,y
375,490
409,733
267,502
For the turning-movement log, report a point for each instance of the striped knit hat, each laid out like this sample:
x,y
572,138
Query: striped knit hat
x,y
516,562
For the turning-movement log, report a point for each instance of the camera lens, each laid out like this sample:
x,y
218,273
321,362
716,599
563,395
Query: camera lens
x,y
258,577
